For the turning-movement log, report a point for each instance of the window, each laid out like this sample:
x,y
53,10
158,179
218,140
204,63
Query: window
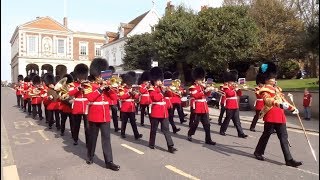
x,y
98,50
61,46
32,44
83,48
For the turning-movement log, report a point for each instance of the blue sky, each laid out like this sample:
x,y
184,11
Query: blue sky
x,y
96,16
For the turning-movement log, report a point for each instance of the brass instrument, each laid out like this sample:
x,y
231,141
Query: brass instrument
x,y
62,88
246,88
36,91
113,82
175,87
53,93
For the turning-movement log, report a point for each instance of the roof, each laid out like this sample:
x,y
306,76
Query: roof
x,y
128,27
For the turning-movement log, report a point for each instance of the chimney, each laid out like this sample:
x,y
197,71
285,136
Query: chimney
x,y
204,7
65,22
38,17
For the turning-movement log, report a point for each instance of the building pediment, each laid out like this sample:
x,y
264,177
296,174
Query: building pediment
x,y
45,23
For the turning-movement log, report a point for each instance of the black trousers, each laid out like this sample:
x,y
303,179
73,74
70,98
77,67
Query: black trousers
x,y
64,117
27,102
222,110
125,116
76,127
46,113
192,117
234,115
180,111
171,121
164,129
282,134
36,109
49,117
204,118
57,118
144,108
255,119
19,101
105,140
114,111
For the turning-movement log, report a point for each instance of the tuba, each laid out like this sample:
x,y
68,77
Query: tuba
x,y
175,87
62,88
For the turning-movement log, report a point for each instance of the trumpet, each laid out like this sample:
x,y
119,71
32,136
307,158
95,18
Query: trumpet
x,y
113,82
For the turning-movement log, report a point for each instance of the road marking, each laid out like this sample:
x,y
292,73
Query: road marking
x,y
174,169
306,171
10,173
289,129
133,149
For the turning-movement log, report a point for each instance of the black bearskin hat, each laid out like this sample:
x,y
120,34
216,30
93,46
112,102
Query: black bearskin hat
x,y
91,78
156,74
73,75
167,75
20,78
259,79
69,78
145,76
32,75
132,73
48,78
267,71
230,76
97,65
128,79
112,69
175,75
198,73
57,78
80,71
36,79
26,79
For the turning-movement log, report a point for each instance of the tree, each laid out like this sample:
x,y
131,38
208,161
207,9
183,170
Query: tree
x,y
139,52
280,30
223,36
173,37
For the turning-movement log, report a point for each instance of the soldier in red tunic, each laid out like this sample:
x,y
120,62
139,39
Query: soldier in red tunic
x,y
66,109
127,96
145,99
168,94
177,99
258,104
222,102
19,88
114,106
232,106
159,110
273,114
26,97
99,95
201,110
80,101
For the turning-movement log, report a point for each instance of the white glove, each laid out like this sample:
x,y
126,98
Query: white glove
x,y
284,105
50,97
296,111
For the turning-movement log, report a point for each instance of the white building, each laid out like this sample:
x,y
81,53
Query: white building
x,y
44,45
113,49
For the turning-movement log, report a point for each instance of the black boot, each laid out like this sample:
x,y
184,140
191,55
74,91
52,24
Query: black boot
x,y
176,130
210,142
112,166
171,149
139,136
259,156
89,161
293,163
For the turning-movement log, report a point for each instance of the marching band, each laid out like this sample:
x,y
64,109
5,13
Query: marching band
x,y
86,95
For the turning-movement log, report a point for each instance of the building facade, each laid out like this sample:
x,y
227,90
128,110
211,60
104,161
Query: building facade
x,y
45,45
113,49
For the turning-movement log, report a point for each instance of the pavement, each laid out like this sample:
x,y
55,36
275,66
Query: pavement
x,y
31,151
247,116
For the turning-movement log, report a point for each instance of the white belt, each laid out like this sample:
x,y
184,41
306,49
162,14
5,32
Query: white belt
x,y
167,97
232,98
259,99
159,103
80,99
98,103
128,100
200,100
145,94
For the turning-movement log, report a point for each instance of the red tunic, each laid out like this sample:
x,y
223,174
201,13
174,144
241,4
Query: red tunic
x,y
176,98
222,101
25,92
127,100
80,103
167,98
259,101
144,95
200,101
36,99
98,106
158,105
231,97
306,100
19,88
273,97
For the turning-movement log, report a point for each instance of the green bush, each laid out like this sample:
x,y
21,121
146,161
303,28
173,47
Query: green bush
x,y
288,69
